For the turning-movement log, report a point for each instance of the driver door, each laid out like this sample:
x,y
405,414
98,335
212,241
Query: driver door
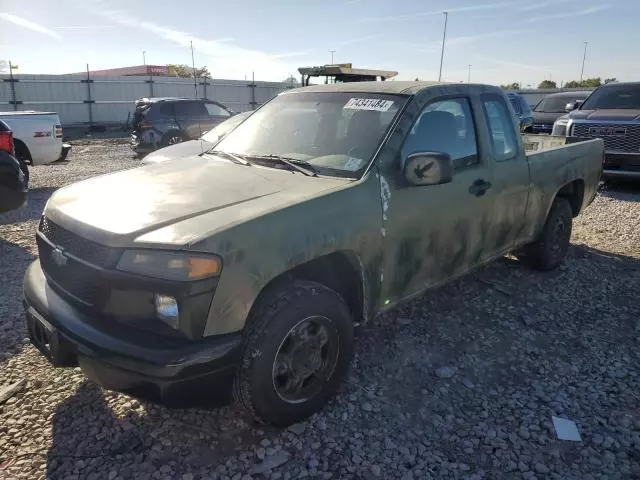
x,y
437,232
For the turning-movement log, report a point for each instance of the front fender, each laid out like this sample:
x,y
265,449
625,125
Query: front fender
x,y
257,252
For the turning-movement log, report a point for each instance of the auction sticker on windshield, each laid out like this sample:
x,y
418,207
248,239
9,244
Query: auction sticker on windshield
x,y
375,104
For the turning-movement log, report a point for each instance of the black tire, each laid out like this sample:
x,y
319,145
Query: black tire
x,y
172,138
22,152
550,249
257,386
25,170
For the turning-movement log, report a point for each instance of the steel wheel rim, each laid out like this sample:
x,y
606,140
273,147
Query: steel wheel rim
x,y
305,360
558,235
174,140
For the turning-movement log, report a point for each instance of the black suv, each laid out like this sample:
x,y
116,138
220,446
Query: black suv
x,y
158,122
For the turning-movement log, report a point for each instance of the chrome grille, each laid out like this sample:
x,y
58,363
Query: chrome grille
x,y
618,137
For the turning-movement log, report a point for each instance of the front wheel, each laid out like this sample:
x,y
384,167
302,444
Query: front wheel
x,y
551,246
298,347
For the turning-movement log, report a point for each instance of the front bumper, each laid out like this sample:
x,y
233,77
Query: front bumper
x,y
177,373
621,165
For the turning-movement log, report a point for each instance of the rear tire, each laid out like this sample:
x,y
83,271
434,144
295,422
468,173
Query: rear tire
x,y
173,138
297,350
551,246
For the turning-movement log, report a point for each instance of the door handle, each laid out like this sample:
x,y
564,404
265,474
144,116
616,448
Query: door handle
x,y
479,187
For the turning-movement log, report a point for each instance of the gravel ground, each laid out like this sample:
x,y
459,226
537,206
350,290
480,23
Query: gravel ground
x,y
462,383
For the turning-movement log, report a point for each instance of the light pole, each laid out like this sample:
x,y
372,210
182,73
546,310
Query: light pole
x,y
193,65
144,58
444,37
584,57
469,75
332,52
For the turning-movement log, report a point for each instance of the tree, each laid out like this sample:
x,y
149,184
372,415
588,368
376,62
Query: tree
x,y
586,83
610,80
511,86
291,82
185,71
547,84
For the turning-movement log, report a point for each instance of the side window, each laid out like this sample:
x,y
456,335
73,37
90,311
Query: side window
x,y
500,122
446,126
166,110
216,110
189,109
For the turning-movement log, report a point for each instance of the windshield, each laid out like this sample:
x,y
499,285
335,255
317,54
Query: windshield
x,y
219,131
618,97
337,133
557,104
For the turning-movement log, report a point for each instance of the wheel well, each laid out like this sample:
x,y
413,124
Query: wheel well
x,y
574,193
22,151
335,271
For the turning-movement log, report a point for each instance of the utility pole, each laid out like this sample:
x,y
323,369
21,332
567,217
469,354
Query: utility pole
x,y
584,57
444,37
469,75
332,52
193,65
144,58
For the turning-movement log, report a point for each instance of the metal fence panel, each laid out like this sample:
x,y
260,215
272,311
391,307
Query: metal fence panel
x,y
79,99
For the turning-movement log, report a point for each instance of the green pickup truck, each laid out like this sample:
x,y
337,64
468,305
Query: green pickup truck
x,y
242,270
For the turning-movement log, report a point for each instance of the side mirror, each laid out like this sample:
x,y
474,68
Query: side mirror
x,y
572,106
428,168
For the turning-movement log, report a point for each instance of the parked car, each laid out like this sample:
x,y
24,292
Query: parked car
x,y
159,122
194,147
552,107
611,112
14,174
250,265
37,136
522,110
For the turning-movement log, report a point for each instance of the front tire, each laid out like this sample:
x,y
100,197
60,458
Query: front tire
x,y
297,350
25,170
550,249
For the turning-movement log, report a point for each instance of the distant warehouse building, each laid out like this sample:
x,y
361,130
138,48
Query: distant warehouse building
x,y
136,71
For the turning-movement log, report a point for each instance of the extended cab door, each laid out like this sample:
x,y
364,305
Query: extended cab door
x,y
433,233
510,175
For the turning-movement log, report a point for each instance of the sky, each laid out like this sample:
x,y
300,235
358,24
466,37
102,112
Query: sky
x,y
522,41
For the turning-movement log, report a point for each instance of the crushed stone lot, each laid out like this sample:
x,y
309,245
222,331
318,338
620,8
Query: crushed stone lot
x,y
461,383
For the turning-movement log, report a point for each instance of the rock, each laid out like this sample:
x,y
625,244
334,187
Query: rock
x,y
541,468
260,453
404,321
523,467
446,372
272,461
468,383
367,407
112,474
375,470
9,391
297,428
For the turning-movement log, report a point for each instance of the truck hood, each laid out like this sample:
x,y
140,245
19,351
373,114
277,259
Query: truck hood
x,y
606,115
117,208
179,150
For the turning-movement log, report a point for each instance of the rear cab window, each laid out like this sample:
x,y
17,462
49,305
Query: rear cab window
x,y
215,110
501,128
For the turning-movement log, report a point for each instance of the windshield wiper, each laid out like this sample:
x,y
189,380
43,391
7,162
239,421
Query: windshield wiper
x,y
234,157
296,164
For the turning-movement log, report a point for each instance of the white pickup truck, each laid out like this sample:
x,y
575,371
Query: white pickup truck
x,y
37,136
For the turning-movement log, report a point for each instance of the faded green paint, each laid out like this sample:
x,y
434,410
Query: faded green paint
x,y
401,239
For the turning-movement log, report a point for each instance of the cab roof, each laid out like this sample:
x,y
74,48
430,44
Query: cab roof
x,y
393,87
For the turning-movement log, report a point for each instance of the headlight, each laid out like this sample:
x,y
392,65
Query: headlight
x,y
560,127
179,266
